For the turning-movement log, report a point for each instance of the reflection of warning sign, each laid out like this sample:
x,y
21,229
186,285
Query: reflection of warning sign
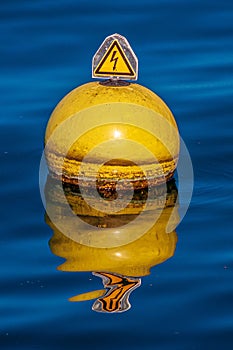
x,y
115,58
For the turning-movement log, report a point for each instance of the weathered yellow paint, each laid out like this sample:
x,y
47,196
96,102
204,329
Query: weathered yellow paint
x,y
98,114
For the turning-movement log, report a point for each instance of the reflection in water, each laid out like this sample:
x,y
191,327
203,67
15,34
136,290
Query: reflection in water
x,y
117,297
120,267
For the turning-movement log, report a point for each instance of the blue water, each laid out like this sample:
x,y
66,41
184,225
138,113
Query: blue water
x,y
185,54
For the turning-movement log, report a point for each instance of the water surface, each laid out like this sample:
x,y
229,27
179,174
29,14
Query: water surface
x,y
185,55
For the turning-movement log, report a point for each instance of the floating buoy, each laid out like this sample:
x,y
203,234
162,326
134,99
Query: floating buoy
x,y
112,147
113,130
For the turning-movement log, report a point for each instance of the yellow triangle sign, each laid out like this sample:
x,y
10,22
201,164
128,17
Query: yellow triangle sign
x,y
115,58
114,63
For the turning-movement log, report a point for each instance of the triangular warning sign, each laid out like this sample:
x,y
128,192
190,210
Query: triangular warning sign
x,y
114,63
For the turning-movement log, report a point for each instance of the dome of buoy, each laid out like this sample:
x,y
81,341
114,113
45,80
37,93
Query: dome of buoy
x,y
113,109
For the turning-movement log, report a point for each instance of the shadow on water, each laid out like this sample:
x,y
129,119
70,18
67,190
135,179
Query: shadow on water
x,y
120,267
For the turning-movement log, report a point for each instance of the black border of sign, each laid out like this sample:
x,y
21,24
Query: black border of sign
x,y
115,42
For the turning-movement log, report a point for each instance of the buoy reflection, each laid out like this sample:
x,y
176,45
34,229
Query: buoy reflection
x,y
122,267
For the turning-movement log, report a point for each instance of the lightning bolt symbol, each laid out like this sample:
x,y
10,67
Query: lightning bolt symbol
x,y
114,59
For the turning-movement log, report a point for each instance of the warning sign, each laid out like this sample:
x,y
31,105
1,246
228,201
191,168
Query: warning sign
x,y
115,58
114,63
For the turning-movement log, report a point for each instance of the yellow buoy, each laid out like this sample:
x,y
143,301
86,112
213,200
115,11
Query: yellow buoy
x,y
112,130
111,146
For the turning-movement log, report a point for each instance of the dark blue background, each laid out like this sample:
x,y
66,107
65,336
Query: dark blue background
x,y
185,54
